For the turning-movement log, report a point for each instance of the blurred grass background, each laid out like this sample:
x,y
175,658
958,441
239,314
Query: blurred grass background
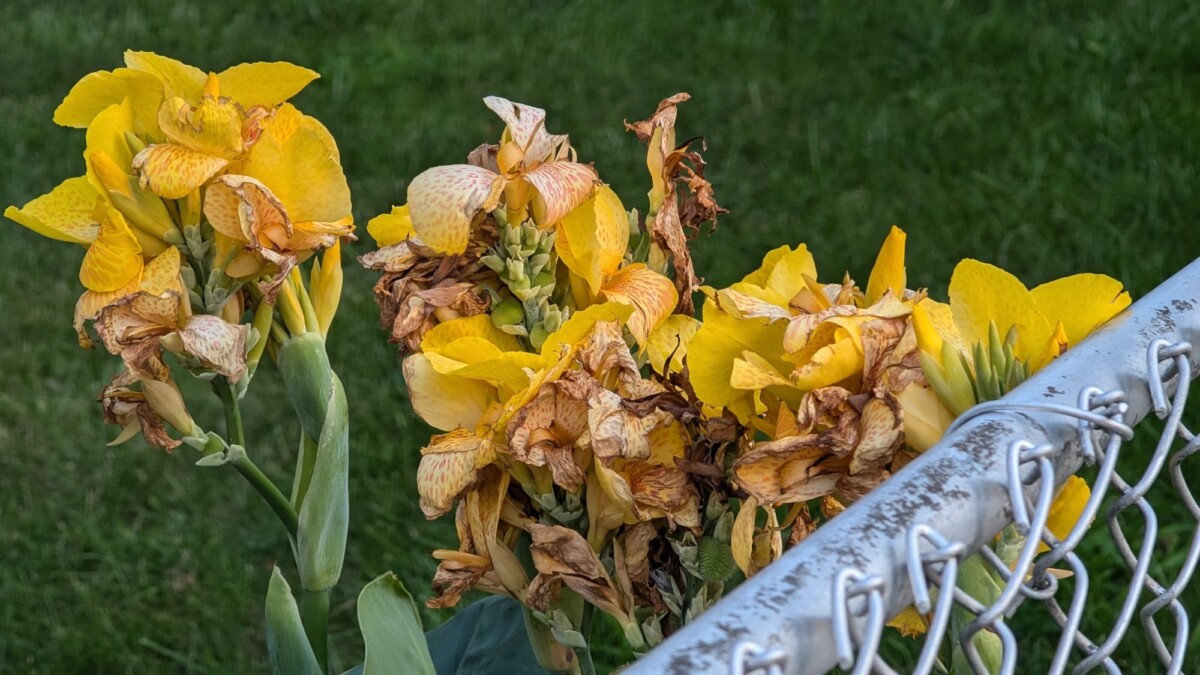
x,y
1049,138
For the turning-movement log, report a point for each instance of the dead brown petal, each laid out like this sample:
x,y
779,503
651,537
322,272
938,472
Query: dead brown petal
x,y
562,554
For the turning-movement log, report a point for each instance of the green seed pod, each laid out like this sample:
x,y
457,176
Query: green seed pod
x,y
715,560
508,313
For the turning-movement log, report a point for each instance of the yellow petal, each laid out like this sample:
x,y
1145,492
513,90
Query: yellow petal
x,y
106,135
933,323
1067,507
573,331
561,188
1081,302
178,78
651,295
478,326
444,201
720,340
114,259
592,238
910,623
746,301
173,171
449,464
66,213
981,294
670,340
101,89
302,169
831,364
445,402
391,228
925,418
888,272
742,536
752,372
786,276
264,83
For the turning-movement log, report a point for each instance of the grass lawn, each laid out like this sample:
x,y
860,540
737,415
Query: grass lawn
x,y
1049,139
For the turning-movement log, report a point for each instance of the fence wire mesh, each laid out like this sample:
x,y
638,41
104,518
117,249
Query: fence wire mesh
x,y
901,549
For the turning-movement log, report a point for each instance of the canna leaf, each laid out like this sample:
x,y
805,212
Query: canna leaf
x,y
287,644
391,629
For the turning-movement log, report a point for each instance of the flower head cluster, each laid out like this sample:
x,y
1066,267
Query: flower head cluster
x,y
201,193
529,301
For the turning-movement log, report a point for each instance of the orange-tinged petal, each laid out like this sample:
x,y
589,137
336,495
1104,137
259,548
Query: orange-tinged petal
x,y
742,536
178,78
66,213
592,238
114,259
161,274
449,464
1081,302
651,295
752,372
910,623
561,188
444,201
264,83
101,89
173,171
242,208
888,273
391,228
445,402
981,294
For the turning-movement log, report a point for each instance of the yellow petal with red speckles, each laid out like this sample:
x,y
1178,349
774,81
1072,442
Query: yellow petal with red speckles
x,y
66,213
561,188
114,259
173,171
448,466
444,201
219,345
213,127
526,125
651,295
264,83
162,273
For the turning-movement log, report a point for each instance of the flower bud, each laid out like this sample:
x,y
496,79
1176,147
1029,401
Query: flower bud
x,y
165,400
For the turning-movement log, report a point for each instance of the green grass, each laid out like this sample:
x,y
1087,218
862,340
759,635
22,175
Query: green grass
x,y
1047,138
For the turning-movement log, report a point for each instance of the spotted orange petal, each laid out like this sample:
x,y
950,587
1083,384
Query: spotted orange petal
x,y
561,188
173,171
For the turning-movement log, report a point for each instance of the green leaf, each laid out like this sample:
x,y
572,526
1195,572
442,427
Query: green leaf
x,y
325,513
486,638
391,629
286,642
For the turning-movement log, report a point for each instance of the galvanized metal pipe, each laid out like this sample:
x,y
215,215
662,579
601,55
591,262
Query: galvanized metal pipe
x,y
958,487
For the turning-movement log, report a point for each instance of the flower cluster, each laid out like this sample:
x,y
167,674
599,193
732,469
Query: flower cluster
x,y
602,443
529,301
201,193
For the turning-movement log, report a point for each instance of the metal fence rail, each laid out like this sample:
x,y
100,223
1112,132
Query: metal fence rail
x,y
825,602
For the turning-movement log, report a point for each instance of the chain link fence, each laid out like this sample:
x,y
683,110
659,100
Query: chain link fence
x,y
826,602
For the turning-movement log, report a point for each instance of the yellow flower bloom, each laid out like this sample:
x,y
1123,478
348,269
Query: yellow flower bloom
x,y
987,302
531,172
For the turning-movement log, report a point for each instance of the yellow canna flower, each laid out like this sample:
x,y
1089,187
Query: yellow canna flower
x,y
962,352
530,172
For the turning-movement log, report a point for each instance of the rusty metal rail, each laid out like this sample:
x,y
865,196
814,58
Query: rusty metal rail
x,y
824,603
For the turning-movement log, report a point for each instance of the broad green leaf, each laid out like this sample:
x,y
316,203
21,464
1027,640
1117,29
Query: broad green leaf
x,y
391,629
325,514
287,644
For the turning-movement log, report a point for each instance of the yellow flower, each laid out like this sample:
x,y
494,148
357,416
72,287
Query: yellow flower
x,y
530,171
286,198
779,333
985,303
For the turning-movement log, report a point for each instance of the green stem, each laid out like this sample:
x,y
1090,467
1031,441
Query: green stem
x,y
245,466
314,614
586,667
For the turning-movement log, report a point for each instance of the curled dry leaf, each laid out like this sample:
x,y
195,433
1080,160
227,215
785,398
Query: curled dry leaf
x,y
562,555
